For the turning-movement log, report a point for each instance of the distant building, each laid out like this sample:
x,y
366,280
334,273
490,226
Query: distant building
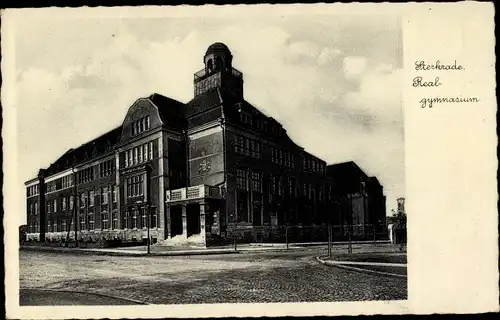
x,y
401,206
361,198
219,169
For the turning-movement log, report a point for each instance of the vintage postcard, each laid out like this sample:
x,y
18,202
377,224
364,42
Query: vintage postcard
x,y
263,160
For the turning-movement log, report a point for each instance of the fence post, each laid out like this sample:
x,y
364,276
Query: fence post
x,y
286,236
350,240
329,240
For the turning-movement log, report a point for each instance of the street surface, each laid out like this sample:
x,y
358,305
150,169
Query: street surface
x,y
252,277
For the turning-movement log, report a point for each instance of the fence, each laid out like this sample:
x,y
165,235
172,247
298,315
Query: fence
x,y
304,234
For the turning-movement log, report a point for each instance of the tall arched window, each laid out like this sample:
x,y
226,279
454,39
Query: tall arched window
x,y
218,64
210,66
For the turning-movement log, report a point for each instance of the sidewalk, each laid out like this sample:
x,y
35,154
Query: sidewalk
x,y
379,268
181,251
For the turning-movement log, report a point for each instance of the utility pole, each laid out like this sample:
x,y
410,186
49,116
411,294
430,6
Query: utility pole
x,y
350,224
74,207
329,236
148,203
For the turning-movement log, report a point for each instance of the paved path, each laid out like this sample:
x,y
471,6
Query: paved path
x,y
246,277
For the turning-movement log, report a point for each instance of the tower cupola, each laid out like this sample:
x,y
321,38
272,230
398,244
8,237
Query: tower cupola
x,y
218,72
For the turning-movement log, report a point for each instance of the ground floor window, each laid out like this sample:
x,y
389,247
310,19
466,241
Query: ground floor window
x,y
134,219
104,221
91,222
153,217
125,220
115,220
144,222
242,206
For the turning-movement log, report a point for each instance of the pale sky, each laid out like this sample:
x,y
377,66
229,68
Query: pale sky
x,y
332,81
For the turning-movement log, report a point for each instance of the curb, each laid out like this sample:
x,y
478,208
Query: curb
x,y
343,266
124,253
158,254
91,293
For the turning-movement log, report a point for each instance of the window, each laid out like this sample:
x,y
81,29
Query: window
x,y
48,207
36,208
145,152
63,225
115,220
91,222
54,226
83,200
141,125
140,154
246,118
144,218
114,194
255,149
106,168
134,219
82,222
241,179
48,226
104,195
256,182
153,218
135,186
291,183
91,198
71,202
104,220
274,184
151,150
280,186
125,220
63,204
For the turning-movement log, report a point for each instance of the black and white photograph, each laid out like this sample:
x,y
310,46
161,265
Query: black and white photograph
x,y
210,158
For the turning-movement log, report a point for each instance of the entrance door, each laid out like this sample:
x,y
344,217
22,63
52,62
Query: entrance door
x,y
257,219
175,220
193,219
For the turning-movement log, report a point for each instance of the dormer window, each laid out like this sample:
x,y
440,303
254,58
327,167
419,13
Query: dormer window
x,y
141,125
246,118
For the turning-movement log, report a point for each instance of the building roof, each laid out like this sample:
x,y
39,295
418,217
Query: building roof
x,y
94,148
217,47
172,112
203,102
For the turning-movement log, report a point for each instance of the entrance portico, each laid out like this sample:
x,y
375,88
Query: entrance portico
x,y
190,214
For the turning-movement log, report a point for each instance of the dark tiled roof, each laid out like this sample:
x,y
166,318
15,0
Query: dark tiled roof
x,y
347,175
205,117
91,149
172,112
203,102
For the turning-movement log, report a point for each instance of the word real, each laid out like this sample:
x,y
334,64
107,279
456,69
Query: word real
x,y
423,66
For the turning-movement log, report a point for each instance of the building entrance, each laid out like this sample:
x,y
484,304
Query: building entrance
x,y
193,219
175,220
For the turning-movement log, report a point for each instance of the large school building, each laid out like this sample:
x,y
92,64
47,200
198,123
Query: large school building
x,y
207,171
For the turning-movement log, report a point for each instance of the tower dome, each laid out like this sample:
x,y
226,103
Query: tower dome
x,y
218,47
218,58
